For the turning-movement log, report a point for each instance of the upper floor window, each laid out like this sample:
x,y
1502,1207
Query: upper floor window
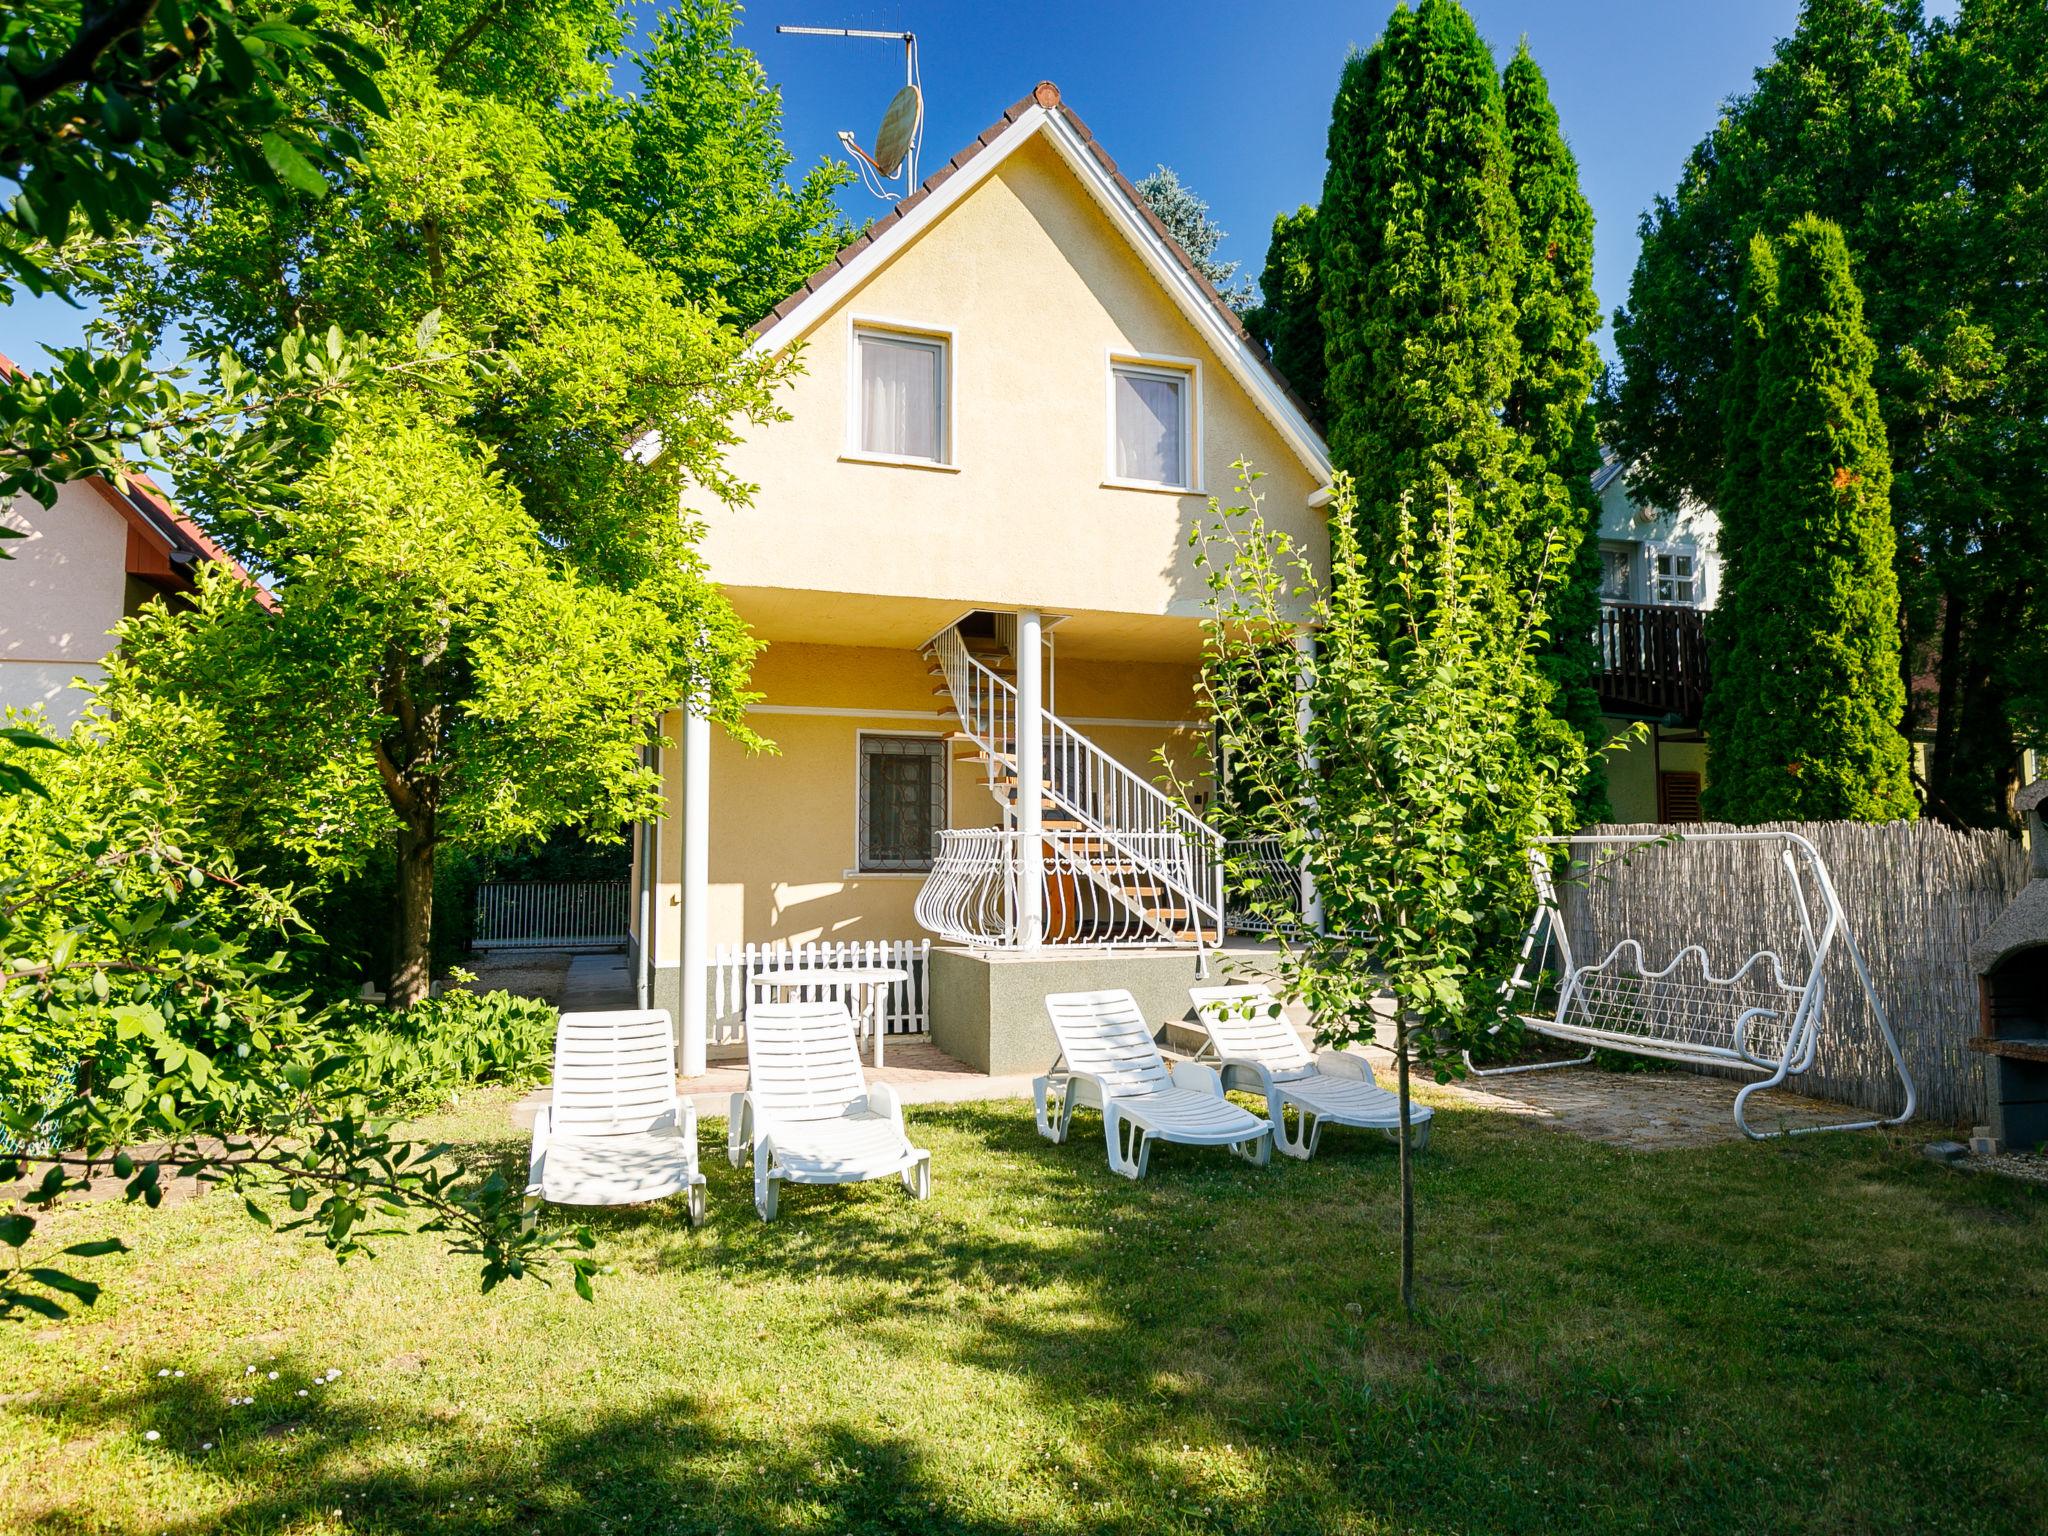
x,y
1675,577
900,395
1152,425
1617,573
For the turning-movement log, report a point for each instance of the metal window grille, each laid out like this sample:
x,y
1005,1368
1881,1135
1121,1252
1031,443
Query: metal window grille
x,y
902,801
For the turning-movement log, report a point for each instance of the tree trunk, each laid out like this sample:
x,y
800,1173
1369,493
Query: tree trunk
x,y
412,933
1407,1176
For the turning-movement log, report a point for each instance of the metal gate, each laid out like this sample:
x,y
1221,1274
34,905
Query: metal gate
x,y
553,914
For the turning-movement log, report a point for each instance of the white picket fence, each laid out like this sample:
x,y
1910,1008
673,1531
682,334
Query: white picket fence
x,y
906,1008
551,914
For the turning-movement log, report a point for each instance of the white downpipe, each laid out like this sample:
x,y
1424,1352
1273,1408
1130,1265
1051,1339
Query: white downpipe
x,y
695,977
1030,777
1304,718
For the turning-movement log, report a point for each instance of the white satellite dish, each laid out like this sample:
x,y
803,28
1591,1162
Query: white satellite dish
x,y
901,133
899,123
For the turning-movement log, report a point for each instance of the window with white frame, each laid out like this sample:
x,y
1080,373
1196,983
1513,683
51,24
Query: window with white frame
x,y
902,801
1674,576
1617,573
1152,425
900,395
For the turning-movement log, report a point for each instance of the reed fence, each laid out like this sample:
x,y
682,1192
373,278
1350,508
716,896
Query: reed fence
x,y
1917,895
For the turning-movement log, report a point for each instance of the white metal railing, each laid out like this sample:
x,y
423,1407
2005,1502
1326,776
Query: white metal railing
x,y
1265,891
905,1005
1130,820
551,914
1089,894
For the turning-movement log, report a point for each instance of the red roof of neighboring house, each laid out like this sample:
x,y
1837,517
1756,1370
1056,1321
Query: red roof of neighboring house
x,y
163,543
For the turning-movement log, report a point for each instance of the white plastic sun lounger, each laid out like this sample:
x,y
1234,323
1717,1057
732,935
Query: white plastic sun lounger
x,y
808,1115
1259,1052
614,1131
1108,1062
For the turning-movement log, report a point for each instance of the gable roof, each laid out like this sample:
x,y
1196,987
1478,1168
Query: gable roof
x,y
1043,113
163,543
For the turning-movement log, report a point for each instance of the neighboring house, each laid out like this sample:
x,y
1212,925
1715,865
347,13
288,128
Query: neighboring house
x,y
89,561
972,531
1660,572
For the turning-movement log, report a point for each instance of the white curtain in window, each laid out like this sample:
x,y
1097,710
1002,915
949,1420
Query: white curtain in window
x,y
1148,428
899,397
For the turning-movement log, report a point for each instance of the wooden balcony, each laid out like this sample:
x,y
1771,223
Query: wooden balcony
x,y
1653,661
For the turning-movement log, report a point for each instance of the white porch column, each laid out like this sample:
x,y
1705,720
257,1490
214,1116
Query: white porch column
x,y
1030,779
696,888
1304,717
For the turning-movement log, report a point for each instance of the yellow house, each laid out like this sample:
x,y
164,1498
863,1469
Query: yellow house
x,y
968,556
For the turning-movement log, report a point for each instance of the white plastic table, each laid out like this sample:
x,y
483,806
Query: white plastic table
x,y
867,985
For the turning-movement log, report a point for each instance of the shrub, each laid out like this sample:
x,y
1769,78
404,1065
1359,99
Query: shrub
x,y
419,1057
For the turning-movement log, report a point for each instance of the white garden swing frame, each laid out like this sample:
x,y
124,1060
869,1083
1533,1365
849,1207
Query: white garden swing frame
x,y
1754,1019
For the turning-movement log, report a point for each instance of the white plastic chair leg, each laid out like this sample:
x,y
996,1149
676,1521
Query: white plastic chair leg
x,y
696,1205
738,1130
1054,1106
917,1178
1130,1148
1301,1141
1258,1151
764,1189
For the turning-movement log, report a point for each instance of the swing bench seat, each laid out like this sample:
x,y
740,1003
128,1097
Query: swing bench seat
x,y
1754,1019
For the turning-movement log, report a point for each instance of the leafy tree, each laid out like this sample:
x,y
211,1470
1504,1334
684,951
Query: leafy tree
x,y
1919,140
485,594
692,169
1550,402
162,968
1186,218
1286,321
1803,712
102,108
1410,787
1420,243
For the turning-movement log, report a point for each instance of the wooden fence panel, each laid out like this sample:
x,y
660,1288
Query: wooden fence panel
x,y
1917,895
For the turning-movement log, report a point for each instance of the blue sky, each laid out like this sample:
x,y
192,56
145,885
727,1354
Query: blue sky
x,y
1236,98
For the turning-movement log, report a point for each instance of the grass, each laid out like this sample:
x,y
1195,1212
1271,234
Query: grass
x,y
1826,1335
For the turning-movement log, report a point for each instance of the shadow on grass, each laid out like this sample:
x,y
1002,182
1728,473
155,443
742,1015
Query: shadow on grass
x,y
1816,1336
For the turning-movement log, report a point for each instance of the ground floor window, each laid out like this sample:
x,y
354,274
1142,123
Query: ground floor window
x,y
902,801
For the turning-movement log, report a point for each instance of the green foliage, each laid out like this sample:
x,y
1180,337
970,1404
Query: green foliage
x,y
1804,707
1551,400
1286,320
1411,786
417,1058
1186,217
1919,138
164,971
1420,243
103,106
692,169
486,590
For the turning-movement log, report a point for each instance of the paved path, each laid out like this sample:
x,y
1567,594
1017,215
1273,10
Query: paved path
x,y
598,982
1647,1111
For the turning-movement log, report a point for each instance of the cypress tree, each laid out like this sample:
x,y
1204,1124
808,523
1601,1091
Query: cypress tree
x,y
1419,243
1286,322
1551,401
1805,703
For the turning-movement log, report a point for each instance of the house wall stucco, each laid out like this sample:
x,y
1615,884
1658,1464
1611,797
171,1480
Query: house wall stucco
x,y
65,586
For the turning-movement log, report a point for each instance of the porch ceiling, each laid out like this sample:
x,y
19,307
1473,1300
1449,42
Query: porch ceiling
x,y
796,616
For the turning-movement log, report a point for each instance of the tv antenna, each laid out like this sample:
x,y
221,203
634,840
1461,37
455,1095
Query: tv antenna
x,y
901,133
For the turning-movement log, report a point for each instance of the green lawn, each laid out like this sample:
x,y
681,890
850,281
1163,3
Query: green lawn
x,y
1832,1335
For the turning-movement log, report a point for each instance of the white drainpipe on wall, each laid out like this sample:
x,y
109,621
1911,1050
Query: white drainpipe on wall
x,y
1030,779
